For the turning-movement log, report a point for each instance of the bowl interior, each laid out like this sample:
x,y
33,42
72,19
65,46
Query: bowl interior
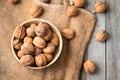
x,y
58,49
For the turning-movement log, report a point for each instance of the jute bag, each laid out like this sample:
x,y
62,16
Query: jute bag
x,y
69,64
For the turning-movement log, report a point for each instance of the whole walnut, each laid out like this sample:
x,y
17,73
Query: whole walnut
x,y
89,66
49,57
31,30
39,42
17,44
41,29
68,33
79,3
27,60
20,32
55,39
36,11
37,51
50,48
28,39
48,36
13,1
28,46
45,1
40,60
101,36
100,7
72,11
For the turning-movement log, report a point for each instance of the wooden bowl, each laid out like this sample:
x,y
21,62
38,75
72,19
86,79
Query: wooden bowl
x,y
58,48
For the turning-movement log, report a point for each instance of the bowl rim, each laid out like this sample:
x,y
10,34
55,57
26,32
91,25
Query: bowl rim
x,y
60,43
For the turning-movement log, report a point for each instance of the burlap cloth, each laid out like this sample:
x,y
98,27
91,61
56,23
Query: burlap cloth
x,y
68,66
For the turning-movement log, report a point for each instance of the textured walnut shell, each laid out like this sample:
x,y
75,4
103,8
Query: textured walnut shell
x,y
31,30
28,46
27,60
36,10
68,33
17,44
28,40
89,66
48,36
55,39
39,42
20,32
37,51
40,60
101,36
41,29
79,3
49,57
45,1
72,11
13,1
49,49
100,7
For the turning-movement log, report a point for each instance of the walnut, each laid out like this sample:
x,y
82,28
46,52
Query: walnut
x,y
31,30
89,66
48,36
17,44
100,7
55,39
37,51
13,1
72,11
20,32
79,3
49,49
36,11
27,60
28,46
28,40
49,57
68,33
39,42
101,36
41,29
40,60
45,1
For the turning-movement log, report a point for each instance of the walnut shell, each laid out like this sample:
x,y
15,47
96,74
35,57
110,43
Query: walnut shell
x,y
28,46
28,39
48,36
36,11
100,7
20,32
45,1
17,44
72,11
40,60
31,30
27,60
68,33
49,49
55,39
79,3
37,51
101,36
89,66
49,57
13,1
41,29
39,42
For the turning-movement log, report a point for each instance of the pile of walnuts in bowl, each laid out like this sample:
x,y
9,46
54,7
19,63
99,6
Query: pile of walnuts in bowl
x,y
35,44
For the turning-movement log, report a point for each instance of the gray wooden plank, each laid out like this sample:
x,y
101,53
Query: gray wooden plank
x,y
96,50
113,44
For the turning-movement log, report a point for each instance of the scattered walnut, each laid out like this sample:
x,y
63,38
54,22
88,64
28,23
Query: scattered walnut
x,y
89,66
39,42
31,30
49,57
79,3
27,60
68,33
49,49
13,1
55,39
101,36
28,46
48,36
45,1
37,51
36,10
100,7
72,11
28,40
17,44
40,60
20,32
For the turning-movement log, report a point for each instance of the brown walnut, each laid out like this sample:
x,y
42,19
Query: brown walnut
x,y
55,39
50,48
101,36
79,3
28,40
28,46
48,35
17,44
31,30
49,57
37,51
